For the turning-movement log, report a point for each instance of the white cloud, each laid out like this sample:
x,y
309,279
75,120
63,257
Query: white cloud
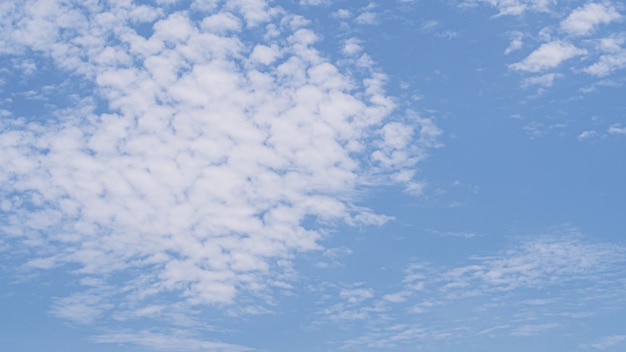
x,y
265,54
530,330
314,2
616,129
397,297
612,44
500,286
366,18
607,64
221,23
211,156
538,263
351,47
587,134
342,14
516,42
356,295
547,56
167,341
514,7
609,341
545,80
584,19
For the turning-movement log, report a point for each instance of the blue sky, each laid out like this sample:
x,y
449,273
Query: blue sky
x,y
312,175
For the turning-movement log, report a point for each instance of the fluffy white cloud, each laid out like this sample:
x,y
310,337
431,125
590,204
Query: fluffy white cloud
x,y
584,19
547,56
200,176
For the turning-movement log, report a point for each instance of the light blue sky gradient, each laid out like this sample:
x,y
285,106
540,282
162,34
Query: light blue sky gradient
x,y
312,175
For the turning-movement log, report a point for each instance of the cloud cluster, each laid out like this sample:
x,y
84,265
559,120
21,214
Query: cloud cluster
x,y
573,41
210,140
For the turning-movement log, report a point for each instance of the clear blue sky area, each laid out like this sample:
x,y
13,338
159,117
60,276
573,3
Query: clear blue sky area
x,y
312,175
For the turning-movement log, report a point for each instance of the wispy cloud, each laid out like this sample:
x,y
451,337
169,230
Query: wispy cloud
x,y
529,289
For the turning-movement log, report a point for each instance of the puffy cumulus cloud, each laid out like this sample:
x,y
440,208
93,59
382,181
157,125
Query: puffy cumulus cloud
x,y
547,56
584,19
210,156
